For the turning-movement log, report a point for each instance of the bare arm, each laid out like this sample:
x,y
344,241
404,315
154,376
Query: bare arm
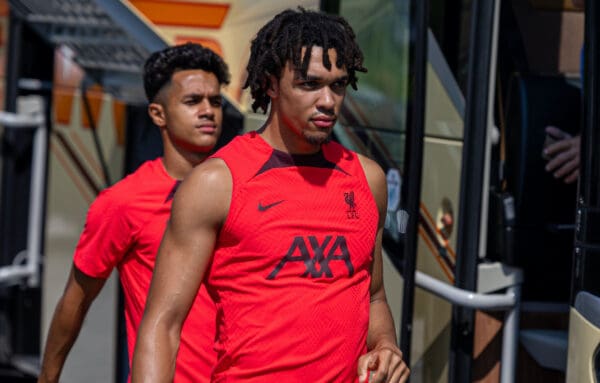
x,y
384,361
80,292
199,209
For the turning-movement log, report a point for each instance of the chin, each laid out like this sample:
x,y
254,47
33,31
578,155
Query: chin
x,y
203,149
318,138
207,144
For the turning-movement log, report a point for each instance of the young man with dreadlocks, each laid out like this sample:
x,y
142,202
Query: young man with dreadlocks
x,y
125,223
286,229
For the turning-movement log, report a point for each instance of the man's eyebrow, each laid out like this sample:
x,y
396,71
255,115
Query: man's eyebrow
x,y
202,95
344,78
299,76
308,77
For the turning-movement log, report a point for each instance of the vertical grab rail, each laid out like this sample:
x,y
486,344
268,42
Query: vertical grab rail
x,y
30,268
508,302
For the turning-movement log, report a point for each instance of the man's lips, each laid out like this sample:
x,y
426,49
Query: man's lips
x,y
207,128
324,122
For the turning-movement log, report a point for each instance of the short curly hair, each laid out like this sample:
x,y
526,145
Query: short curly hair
x,y
161,65
283,38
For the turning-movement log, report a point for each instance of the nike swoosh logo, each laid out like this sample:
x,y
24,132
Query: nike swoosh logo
x,y
262,207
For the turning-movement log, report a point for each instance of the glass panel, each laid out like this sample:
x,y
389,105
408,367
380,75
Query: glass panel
x,y
373,120
440,189
436,256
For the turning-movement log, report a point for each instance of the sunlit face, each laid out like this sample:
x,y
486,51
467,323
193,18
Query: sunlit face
x,y
309,105
190,112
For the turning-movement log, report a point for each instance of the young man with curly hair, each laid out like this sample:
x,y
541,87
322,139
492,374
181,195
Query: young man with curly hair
x,y
286,228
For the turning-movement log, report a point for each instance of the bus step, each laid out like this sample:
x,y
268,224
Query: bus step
x,y
547,347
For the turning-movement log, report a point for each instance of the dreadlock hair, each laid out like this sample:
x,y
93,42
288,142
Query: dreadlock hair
x,y
283,38
161,65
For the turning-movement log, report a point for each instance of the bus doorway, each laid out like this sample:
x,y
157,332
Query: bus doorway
x,y
493,225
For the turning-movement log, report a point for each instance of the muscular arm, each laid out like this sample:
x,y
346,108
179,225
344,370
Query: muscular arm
x,y
199,209
381,323
384,361
70,312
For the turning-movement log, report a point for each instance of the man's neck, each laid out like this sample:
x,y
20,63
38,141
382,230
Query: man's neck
x,y
179,165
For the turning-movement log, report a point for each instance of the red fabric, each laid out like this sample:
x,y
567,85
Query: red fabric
x,y
306,320
124,227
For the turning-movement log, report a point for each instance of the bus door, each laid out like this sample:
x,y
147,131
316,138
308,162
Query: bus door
x,y
456,289
584,319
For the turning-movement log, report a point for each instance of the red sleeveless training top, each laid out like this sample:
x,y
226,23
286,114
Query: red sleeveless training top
x,y
291,271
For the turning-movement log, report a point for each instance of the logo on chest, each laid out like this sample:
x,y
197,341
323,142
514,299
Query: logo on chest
x,y
351,212
316,256
266,207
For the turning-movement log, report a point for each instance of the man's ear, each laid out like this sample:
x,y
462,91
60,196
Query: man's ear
x,y
272,86
157,114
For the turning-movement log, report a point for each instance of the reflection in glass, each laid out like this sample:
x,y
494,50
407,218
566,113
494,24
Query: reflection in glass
x,y
373,119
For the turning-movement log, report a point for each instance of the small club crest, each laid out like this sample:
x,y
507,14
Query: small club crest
x,y
351,213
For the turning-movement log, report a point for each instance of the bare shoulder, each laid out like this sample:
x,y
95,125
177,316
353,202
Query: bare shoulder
x,y
205,192
374,173
212,174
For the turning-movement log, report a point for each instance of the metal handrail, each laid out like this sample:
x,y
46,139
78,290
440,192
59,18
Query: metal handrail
x,y
509,302
470,299
30,268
